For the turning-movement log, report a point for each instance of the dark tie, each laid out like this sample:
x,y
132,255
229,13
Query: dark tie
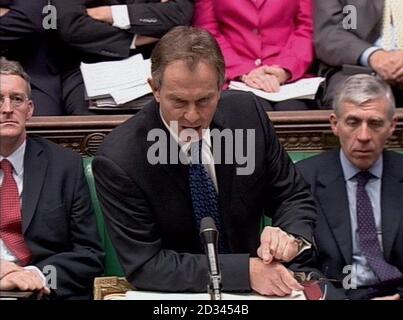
x,y
204,195
10,216
367,234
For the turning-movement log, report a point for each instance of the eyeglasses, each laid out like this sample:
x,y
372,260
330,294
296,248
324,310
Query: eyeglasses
x,y
16,100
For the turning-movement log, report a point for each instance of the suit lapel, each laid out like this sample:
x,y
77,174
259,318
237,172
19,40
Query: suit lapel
x,y
224,172
371,16
332,194
35,166
391,202
377,7
178,173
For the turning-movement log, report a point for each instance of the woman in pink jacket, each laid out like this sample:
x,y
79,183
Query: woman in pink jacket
x,y
265,42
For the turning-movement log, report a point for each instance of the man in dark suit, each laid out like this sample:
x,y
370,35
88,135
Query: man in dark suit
x,y
359,233
97,30
149,191
351,36
24,39
47,225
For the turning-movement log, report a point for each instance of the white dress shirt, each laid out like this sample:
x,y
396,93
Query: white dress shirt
x,y
17,161
121,20
207,156
361,269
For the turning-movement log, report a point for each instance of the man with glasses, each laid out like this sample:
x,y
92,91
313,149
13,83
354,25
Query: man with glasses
x,y
47,226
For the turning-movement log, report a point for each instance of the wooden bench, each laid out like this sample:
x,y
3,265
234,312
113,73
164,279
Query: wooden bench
x,y
298,131
301,133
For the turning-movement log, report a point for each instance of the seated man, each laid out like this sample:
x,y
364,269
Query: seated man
x,y
154,200
47,223
359,36
359,233
24,38
97,30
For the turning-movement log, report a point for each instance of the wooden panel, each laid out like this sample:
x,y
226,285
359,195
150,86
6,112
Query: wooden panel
x,y
297,130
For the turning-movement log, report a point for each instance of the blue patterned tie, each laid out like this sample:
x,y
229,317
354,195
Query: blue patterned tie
x,y
204,195
367,234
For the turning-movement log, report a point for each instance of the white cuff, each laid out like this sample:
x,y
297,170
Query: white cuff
x,y
364,58
133,45
120,15
302,244
41,275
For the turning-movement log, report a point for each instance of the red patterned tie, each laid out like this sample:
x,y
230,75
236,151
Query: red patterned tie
x,y
10,215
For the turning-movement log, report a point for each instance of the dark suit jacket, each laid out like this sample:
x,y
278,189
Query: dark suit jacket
x,y
23,38
333,230
98,41
149,212
91,41
58,221
336,45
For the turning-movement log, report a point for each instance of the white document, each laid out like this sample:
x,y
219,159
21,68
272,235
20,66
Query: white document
x,y
301,89
128,94
149,295
124,80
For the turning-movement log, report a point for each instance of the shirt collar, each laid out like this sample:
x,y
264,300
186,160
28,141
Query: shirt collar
x,y
186,145
350,170
17,158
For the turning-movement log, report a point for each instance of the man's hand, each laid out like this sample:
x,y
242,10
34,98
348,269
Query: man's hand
x,y
7,267
102,13
271,279
23,280
4,11
394,297
277,244
388,65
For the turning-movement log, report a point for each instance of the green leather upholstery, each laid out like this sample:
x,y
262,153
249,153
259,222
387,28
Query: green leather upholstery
x,y
112,264
300,155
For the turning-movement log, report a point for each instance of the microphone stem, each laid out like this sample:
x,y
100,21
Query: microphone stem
x,y
215,287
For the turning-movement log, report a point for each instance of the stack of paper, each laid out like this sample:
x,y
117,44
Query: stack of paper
x,y
115,83
301,89
150,295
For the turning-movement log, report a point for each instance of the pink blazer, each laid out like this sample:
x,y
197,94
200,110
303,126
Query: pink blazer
x,y
260,32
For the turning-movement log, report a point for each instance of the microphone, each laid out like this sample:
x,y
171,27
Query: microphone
x,y
209,235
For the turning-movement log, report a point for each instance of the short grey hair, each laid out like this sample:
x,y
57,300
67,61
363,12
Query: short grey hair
x,y
8,67
361,88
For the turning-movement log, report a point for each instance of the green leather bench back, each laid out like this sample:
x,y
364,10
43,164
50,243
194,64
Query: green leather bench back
x,y
112,264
